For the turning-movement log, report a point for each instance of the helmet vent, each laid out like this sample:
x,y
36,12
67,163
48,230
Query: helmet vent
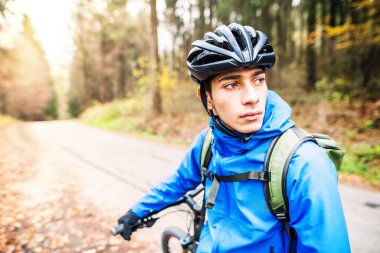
x,y
253,40
210,58
240,39
267,48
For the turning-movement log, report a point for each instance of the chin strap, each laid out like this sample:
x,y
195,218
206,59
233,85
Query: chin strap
x,y
244,138
219,123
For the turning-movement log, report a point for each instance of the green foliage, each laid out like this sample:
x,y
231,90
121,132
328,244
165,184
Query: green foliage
x,y
224,10
338,89
117,115
141,75
51,111
168,85
363,160
352,133
361,29
5,119
74,108
3,7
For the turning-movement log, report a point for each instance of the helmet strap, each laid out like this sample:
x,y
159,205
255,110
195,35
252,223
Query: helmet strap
x,y
204,99
218,121
244,138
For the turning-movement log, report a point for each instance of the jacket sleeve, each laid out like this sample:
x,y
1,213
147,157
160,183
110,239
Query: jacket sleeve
x,y
315,206
186,177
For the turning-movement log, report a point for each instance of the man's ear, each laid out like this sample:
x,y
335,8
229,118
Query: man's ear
x,y
209,101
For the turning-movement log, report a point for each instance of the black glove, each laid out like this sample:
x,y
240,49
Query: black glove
x,y
130,221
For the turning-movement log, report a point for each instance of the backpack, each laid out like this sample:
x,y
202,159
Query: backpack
x,y
277,160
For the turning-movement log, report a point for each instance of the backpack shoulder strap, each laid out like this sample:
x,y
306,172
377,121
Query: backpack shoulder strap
x,y
332,149
277,160
206,153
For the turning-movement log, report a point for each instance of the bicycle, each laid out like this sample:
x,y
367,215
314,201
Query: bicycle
x,y
175,239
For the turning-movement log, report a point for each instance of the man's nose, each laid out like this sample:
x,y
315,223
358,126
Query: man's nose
x,y
249,94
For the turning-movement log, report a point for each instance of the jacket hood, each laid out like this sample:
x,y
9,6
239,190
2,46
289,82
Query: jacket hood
x,y
276,120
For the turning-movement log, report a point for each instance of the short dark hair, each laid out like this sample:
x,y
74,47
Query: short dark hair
x,y
207,84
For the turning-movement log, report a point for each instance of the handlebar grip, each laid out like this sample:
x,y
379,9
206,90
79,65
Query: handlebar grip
x,y
117,230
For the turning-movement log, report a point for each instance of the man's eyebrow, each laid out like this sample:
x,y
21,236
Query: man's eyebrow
x,y
256,73
231,77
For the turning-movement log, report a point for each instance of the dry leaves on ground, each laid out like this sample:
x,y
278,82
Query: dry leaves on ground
x,y
61,223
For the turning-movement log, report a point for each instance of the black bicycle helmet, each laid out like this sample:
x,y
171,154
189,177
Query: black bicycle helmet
x,y
229,48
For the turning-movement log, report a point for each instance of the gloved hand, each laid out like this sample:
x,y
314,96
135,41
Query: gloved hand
x,y
130,222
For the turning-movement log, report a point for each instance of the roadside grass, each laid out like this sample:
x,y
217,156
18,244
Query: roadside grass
x,y
182,120
117,115
5,119
363,160
130,117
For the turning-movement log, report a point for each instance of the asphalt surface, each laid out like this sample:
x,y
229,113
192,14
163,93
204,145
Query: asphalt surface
x,y
113,171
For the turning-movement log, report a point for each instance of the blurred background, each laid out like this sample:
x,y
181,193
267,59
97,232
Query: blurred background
x,y
121,65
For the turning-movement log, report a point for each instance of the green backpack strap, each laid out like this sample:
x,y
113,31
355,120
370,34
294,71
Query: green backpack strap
x,y
206,152
206,155
277,160
334,152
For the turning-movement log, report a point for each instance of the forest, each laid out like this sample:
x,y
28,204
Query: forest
x,y
128,69
327,46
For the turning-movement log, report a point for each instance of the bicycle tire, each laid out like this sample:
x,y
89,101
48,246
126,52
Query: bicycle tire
x,y
173,234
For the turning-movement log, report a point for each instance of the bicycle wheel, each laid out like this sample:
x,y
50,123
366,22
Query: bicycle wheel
x,y
171,240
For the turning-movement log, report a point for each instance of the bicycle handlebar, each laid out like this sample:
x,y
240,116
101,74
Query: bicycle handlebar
x,y
117,230
148,221
142,223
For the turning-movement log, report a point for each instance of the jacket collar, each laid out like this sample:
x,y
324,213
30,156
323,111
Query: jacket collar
x,y
276,120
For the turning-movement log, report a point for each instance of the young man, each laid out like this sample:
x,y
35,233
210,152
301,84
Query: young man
x,y
230,67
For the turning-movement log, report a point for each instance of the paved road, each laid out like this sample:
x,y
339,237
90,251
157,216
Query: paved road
x,y
113,171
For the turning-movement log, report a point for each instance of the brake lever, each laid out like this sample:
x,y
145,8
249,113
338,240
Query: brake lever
x,y
147,222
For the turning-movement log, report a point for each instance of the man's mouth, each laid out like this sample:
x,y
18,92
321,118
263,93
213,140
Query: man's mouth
x,y
251,116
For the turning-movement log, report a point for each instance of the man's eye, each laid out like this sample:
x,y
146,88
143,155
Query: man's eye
x,y
259,81
229,85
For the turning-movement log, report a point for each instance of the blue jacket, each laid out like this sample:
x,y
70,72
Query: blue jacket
x,y
240,221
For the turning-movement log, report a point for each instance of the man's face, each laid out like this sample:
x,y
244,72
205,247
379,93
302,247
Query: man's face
x,y
238,97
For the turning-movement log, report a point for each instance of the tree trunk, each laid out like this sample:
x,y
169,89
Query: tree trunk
x,y
3,101
281,18
122,74
266,18
201,27
157,103
334,5
343,11
211,7
310,50
324,23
